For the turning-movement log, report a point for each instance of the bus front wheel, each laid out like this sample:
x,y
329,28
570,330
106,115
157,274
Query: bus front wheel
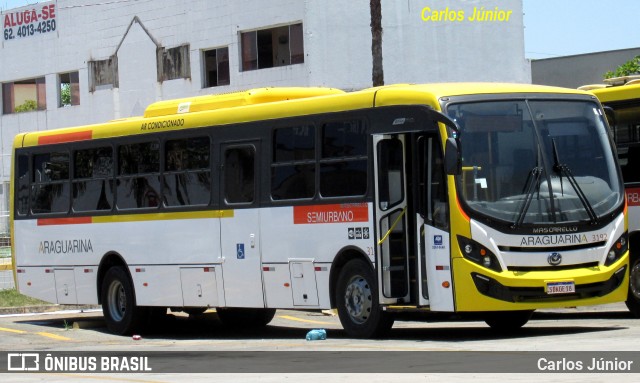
x,y
357,301
119,303
633,297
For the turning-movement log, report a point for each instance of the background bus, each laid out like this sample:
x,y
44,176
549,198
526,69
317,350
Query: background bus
x,y
621,98
372,202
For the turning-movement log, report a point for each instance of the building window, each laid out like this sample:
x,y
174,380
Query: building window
x,y
174,63
69,89
216,67
24,96
273,47
103,74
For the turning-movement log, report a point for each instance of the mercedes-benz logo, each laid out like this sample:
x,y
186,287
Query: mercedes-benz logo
x,y
554,259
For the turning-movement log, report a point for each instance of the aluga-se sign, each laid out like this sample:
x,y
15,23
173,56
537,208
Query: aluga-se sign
x,y
29,22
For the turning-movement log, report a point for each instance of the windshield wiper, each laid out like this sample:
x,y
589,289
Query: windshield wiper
x,y
533,180
563,169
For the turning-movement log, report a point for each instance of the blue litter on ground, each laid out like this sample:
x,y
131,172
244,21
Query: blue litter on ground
x,y
317,334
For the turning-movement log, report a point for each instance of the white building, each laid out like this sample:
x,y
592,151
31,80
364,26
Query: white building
x,y
114,58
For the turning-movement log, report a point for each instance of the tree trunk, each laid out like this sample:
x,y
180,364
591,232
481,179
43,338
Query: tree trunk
x,y
377,73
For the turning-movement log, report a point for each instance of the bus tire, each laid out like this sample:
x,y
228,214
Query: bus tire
x,y
357,302
633,297
119,308
245,318
507,321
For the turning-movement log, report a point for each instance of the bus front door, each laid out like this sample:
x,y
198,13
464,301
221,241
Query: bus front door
x,y
432,228
391,215
413,252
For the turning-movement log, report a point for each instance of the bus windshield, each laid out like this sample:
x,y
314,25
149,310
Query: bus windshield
x,y
536,161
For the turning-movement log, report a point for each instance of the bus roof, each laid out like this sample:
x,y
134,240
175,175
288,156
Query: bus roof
x,y
271,103
618,93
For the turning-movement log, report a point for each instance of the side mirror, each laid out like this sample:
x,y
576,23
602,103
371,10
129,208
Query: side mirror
x,y
452,157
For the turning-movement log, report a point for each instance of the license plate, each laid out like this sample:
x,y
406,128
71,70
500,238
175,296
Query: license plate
x,y
561,287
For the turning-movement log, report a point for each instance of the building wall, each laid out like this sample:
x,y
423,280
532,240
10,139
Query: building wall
x,y
337,51
578,70
421,51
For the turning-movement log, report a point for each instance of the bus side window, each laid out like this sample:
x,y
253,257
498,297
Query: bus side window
x,y
50,191
187,175
293,167
343,162
138,182
92,179
239,175
22,184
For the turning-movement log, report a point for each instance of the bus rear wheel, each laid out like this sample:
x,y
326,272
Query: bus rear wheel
x,y
357,301
119,303
245,317
633,297
507,321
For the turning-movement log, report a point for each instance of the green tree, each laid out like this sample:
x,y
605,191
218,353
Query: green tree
x,y
630,67
65,94
28,106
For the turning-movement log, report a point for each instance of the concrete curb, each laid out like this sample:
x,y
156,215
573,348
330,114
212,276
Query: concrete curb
x,y
44,309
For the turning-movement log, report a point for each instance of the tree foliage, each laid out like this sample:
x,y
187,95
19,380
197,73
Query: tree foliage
x,y
65,94
28,106
630,67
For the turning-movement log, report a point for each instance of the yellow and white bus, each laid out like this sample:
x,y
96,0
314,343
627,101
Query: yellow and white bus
x,y
489,199
621,98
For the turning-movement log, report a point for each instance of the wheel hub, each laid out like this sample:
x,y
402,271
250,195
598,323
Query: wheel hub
x,y
635,280
117,301
358,299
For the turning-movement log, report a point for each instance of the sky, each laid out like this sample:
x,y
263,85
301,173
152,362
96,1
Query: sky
x,y
567,27
557,27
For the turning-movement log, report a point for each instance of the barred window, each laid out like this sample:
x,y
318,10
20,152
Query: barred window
x,y
272,47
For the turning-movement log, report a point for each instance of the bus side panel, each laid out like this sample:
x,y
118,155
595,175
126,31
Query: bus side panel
x,y
37,282
313,233
157,285
85,278
150,248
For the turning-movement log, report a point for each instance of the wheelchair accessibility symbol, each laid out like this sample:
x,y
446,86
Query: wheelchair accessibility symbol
x,y
240,250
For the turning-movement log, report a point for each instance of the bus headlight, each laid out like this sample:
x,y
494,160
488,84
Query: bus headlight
x,y
478,254
617,250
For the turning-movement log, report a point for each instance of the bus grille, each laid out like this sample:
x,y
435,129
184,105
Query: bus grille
x,y
492,288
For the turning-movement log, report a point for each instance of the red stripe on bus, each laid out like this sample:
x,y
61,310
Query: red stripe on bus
x,y
65,137
335,213
63,221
